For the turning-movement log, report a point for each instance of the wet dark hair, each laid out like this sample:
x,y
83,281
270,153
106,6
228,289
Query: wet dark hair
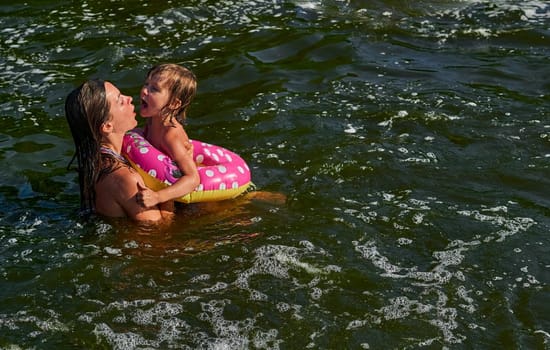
x,y
86,110
181,83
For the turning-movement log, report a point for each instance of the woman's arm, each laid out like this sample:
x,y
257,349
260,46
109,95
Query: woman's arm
x,y
128,185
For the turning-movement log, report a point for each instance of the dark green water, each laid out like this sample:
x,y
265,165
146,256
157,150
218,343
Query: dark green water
x,y
410,137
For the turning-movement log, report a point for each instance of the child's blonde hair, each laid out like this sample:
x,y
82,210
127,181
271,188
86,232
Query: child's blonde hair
x,y
181,83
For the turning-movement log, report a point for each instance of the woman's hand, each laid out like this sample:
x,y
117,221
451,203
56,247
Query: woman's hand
x,y
146,197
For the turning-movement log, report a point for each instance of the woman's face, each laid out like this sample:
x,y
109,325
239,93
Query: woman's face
x,y
121,109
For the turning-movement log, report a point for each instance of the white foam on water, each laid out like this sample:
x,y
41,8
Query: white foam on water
x,y
159,311
536,12
533,11
287,264
445,276
508,226
277,261
232,334
113,251
163,316
545,334
48,324
123,340
26,228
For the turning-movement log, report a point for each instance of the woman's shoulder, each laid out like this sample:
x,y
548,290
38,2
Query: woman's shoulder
x,y
123,175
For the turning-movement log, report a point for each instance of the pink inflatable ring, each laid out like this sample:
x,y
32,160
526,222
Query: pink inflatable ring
x,y
223,174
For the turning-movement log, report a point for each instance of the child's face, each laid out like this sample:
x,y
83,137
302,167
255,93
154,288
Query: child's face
x,y
154,96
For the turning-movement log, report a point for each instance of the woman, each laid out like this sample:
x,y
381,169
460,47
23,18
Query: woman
x,y
99,116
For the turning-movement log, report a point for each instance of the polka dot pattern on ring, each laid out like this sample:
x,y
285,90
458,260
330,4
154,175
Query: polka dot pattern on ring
x,y
222,172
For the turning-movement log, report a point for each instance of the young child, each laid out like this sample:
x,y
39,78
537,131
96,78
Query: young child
x,y
165,97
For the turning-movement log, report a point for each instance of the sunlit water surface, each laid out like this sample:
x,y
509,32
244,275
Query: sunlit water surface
x,y
410,138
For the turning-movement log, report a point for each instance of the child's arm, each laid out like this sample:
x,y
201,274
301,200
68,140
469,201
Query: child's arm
x,y
177,146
